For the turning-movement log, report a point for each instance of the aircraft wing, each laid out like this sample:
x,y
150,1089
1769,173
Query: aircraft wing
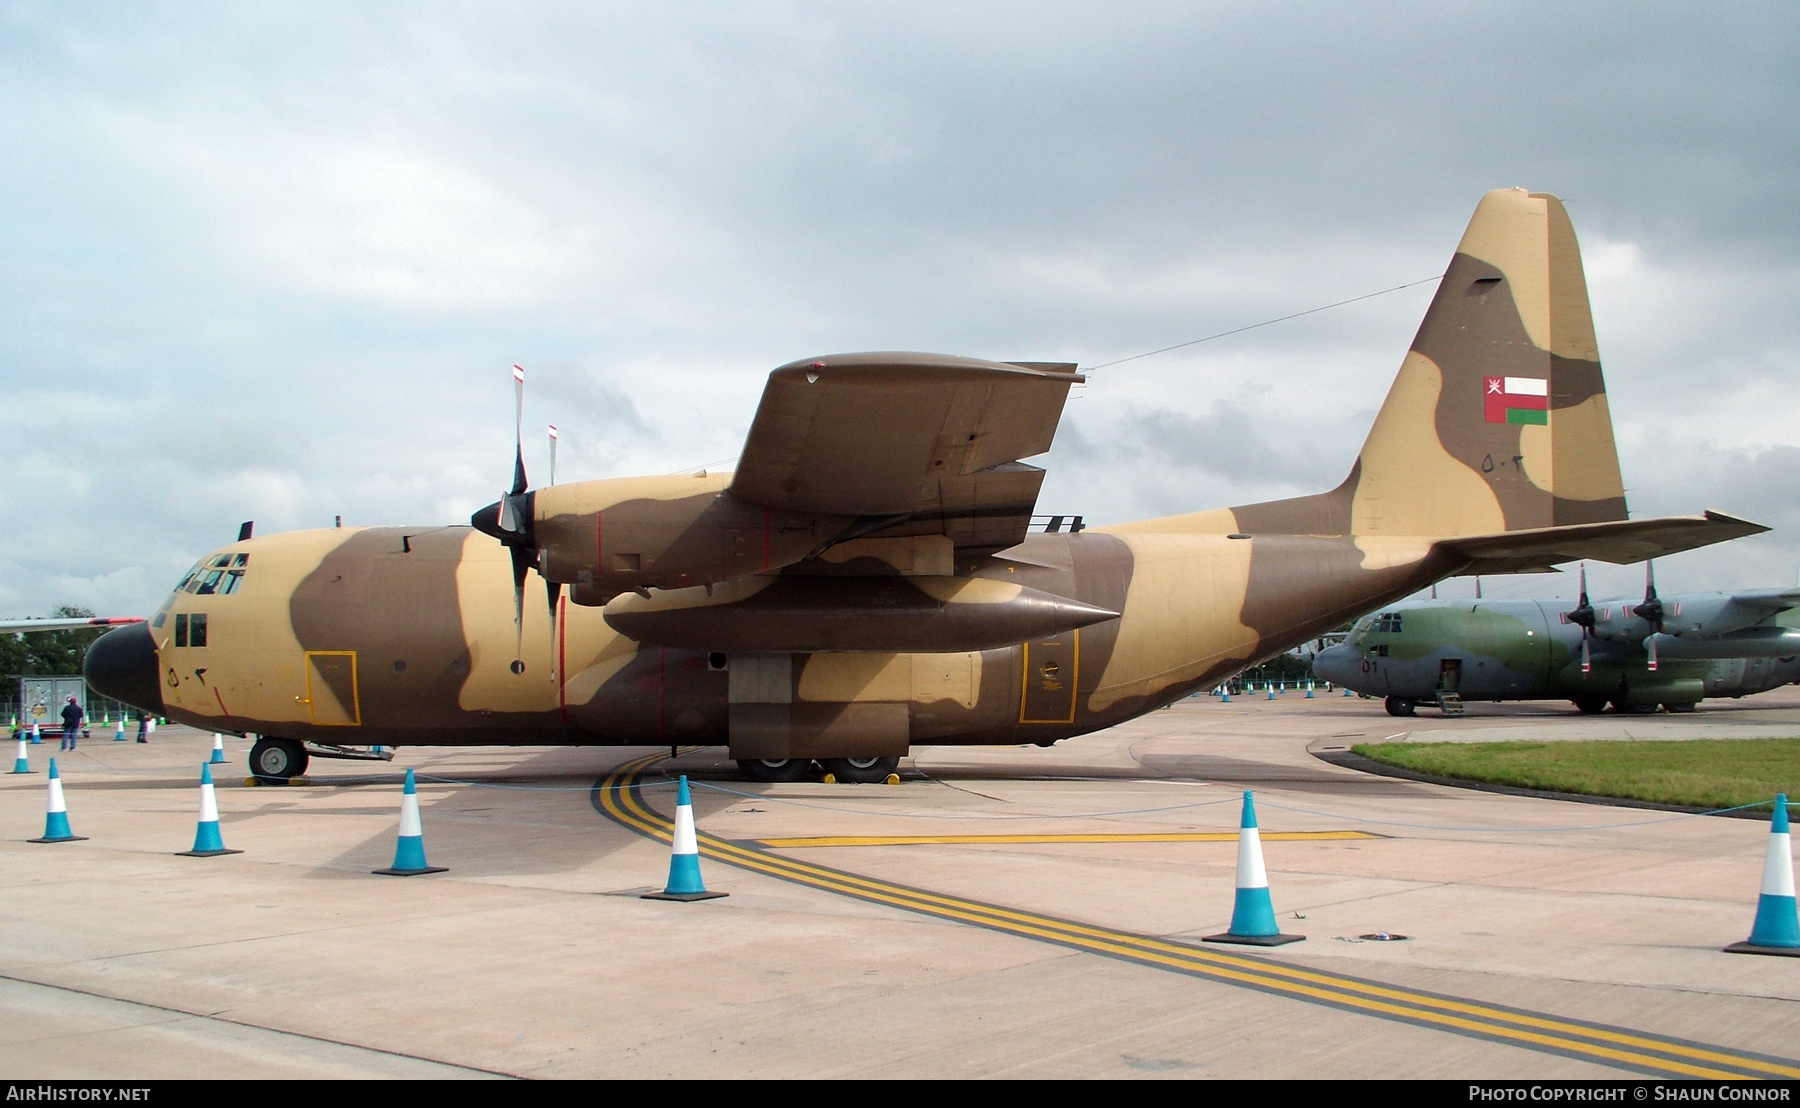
x,y
72,623
908,443
1620,542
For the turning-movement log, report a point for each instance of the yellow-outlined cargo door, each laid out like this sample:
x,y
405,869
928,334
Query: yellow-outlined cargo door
x,y
331,692
1052,671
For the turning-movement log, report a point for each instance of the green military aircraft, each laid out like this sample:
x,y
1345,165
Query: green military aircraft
x,y
1632,654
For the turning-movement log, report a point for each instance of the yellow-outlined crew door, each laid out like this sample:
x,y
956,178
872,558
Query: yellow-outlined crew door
x,y
331,688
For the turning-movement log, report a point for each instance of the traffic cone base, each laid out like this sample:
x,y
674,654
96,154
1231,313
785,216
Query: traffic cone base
x,y
409,848
1252,940
1752,948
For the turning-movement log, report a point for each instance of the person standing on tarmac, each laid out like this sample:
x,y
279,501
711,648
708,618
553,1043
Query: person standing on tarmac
x,y
143,734
72,716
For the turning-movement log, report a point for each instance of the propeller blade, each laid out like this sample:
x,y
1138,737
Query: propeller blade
x,y
553,453
554,588
1651,609
1582,614
521,565
1587,663
1652,646
519,483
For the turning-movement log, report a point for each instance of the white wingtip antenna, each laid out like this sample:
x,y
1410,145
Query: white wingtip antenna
x,y
553,453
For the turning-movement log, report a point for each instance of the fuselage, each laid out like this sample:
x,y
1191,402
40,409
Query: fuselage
x,y
400,636
1524,650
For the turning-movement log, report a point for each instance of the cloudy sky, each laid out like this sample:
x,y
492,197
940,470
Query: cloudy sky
x,y
272,262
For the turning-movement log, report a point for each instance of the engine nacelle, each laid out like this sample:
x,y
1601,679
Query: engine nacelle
x,y
612,536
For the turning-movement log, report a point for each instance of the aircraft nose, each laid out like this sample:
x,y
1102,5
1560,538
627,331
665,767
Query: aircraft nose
x,y
1337,664
122,665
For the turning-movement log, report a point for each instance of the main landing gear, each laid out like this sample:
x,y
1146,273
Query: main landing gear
x,y
860,771
1400,706
277,759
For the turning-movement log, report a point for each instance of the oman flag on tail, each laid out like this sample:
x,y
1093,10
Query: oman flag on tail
x,y
1517,399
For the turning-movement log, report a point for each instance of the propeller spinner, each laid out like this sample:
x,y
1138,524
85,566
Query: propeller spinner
x,y
509,519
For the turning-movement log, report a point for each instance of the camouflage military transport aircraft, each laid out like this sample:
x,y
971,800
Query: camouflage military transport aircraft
x,y
864,581
1631,654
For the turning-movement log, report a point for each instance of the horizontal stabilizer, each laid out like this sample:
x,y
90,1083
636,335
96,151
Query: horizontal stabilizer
x,y
1620,542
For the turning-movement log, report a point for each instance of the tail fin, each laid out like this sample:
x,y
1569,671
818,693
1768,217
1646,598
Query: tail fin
x,y
1497,420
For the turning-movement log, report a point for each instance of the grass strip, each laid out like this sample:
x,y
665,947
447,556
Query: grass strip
x,y
1702,773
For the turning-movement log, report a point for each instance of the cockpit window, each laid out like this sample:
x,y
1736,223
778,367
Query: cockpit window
x,y
1387,623
219,575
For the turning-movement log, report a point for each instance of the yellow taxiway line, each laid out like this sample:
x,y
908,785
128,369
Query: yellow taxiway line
x,y
617,796
797,842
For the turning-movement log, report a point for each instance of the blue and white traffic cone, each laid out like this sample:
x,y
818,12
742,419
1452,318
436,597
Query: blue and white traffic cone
x,y
1309,690
684,855
1777,927
207,843
37,736
119,734
409,851
22,763
1346,690
1271,690
1252,914
56,818
218,754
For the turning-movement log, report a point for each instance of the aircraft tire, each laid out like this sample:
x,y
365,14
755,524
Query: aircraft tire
x,y
1399,706
277,759
861,771
1683,706
1626,707
1590,705
774,770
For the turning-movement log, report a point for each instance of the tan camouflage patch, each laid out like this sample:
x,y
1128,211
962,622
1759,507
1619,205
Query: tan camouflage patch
x,y
1181,615
1410,484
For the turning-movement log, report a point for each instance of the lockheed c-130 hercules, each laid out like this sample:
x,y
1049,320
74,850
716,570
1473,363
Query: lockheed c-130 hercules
x,y
865,582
